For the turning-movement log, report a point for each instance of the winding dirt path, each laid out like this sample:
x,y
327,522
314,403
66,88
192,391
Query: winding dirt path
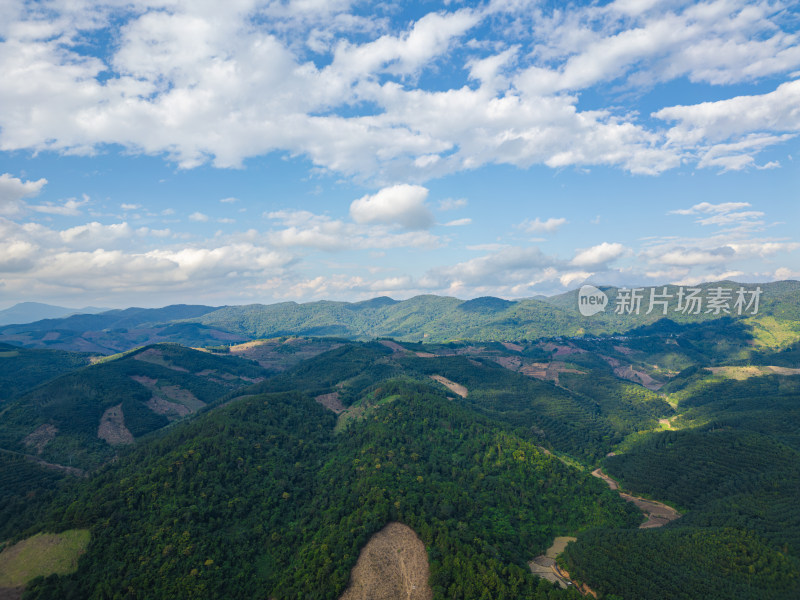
x,y
657,513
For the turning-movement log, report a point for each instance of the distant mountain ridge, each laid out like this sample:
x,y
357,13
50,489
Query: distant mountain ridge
x,y
426,318
29,312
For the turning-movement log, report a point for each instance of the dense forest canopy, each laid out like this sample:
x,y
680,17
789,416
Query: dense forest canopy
x,y
262,469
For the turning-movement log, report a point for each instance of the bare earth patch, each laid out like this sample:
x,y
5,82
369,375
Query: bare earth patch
x,y
112,427
11,593
456,388
43,435
544,371
561,349
512,363
392,566
783,370
169,409
331,402
512,347
180,397
635,376
278,355
544,565
393,346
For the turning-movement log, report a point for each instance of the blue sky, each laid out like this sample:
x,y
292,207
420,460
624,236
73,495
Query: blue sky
x,y
166,151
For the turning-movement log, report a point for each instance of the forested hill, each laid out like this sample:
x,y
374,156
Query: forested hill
x,y
486,450
428,318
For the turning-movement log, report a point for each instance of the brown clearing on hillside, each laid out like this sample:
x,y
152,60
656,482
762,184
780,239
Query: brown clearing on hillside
x,y
666,423
544,565
561,349
13,593
112,427
181,397
392,566
456,388
513,347
278,355
783,370
512,363
635,376
657,513
331,402
544,371
425,355
164,407
43,435
393,346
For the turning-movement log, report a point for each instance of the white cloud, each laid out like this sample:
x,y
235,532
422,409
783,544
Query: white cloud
x,y
13,190
402,205
229,200
746,216
452,203
69,208
198,217
94,234
506,267
783,273
598,255
205,83
458,222
304,229
689,257
536,225
126,207
707,207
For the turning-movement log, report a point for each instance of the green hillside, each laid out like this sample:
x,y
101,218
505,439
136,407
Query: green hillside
x,y
22,368
277,480
261,497
80,419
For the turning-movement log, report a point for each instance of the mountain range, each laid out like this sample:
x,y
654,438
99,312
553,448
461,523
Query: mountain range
x,y
425,318
485,449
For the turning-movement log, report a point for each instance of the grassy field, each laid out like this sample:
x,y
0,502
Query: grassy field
x,y
42,554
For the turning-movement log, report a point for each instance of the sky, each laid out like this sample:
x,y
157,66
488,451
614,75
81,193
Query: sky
x,y
257,151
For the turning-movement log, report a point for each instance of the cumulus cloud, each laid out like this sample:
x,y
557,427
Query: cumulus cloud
x,y
13,190
198,217
506,267
220,83
401,204
304,229
598,255
538,226
69,208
